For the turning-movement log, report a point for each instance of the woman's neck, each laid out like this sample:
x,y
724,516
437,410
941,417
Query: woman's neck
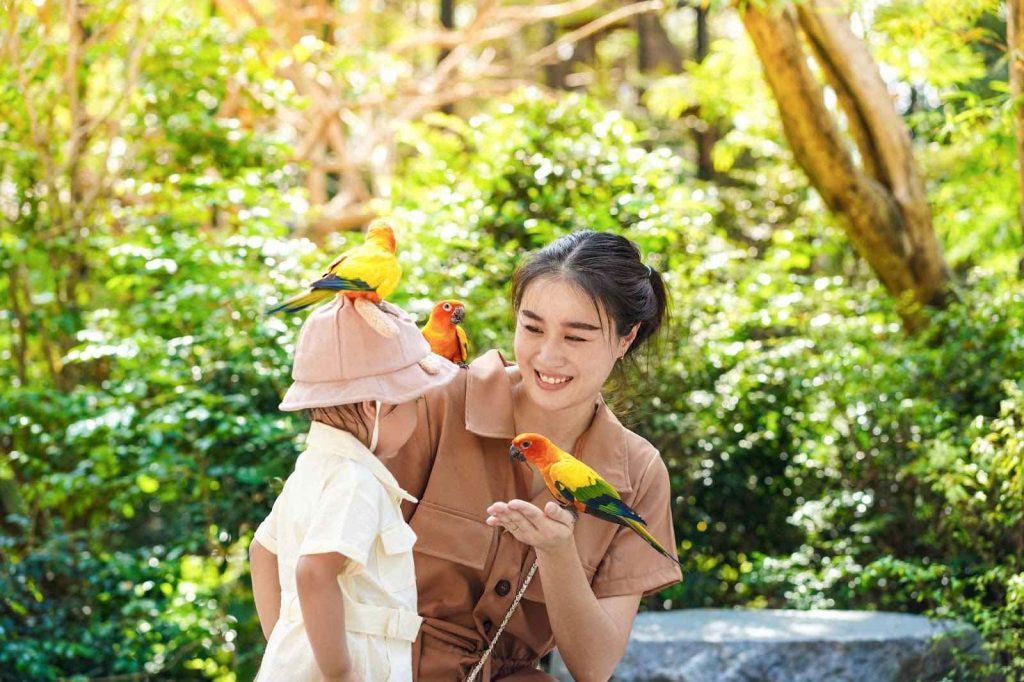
x,y
563,427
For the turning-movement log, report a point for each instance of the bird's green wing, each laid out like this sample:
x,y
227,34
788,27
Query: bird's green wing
x,y
585,485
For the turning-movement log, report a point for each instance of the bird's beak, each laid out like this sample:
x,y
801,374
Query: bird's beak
x,y
458,315
516,454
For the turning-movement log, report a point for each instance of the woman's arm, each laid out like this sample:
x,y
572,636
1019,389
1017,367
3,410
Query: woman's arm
x,y
266,586
591,633
323,612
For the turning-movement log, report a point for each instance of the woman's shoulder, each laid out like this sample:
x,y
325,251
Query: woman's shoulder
x,y
645,465
484,370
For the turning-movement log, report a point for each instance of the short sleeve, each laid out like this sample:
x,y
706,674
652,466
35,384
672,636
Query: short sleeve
x,y
631,566
266,532
346,517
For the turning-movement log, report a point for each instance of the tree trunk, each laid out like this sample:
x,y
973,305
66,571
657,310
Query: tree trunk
x,y
705,135
881,203
654,50
1015,59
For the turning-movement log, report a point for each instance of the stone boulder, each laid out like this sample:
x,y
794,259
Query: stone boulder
x,y
719,645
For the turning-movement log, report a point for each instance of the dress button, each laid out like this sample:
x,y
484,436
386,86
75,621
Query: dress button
x,y
488,625
502,588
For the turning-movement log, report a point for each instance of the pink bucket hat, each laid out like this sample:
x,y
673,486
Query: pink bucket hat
x,y
340,359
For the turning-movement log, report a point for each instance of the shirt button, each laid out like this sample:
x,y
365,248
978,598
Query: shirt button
x,y
503,587
488,625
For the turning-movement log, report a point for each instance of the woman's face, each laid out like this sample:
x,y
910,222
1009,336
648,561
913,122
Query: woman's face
x,y
565,345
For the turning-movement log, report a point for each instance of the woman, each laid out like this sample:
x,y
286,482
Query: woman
x,y
582,304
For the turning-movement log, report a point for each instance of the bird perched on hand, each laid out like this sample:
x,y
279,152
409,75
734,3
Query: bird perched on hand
x,y
443,333
367,273
578,487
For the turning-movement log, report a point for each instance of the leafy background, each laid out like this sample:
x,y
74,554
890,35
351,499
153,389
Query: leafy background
x,y
820,457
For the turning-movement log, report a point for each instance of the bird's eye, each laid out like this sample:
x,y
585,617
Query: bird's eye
x,y
526,443
447,306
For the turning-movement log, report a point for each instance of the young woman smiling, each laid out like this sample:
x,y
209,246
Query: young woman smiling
x,y
582,304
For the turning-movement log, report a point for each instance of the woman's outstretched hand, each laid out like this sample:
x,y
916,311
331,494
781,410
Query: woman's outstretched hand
x,y
545,530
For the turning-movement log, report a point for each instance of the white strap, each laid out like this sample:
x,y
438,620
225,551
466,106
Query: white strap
x,y
376,427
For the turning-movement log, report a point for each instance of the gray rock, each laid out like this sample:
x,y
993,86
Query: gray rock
x,y
718,645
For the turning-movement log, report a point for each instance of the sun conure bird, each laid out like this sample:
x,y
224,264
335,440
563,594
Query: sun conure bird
x,y
367,274
443,333
369,271
578,487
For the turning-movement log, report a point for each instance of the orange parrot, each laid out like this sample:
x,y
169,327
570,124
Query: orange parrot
x,y
578,487
443,333
369,271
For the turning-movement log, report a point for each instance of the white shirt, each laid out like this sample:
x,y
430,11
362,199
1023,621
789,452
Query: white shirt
x,y
340,498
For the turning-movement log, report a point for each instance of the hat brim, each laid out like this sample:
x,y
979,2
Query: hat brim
x,y
392,388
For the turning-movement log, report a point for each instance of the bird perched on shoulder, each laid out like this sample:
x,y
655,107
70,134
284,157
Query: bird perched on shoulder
x,y
369,271
578,487
443,333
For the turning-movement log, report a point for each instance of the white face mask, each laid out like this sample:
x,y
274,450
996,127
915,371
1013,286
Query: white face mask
x,y
376,427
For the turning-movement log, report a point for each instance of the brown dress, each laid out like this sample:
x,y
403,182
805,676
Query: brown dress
x,y
468,573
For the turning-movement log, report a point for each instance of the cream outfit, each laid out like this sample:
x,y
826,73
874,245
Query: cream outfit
x,y
340,498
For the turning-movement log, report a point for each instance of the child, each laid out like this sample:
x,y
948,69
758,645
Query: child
x,y
332,566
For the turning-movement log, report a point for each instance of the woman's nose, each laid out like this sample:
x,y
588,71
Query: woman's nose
x,y
550,353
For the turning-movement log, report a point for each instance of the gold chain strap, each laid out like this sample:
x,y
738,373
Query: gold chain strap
x,y
508,616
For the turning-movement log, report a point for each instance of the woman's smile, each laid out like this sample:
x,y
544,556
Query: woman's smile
x,y
551,382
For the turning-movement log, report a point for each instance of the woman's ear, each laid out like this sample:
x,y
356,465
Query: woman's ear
x,y
626,341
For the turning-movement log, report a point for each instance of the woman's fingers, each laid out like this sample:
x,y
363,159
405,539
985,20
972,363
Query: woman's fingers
x,y
502,514
527,509
559,514
532,525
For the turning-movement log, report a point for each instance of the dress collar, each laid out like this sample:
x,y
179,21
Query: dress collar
x,y
329,439
489,413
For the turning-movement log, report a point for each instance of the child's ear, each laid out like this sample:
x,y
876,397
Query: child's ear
x,y
368,410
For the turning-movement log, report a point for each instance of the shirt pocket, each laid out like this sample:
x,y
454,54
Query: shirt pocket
x,y
452,535
394,557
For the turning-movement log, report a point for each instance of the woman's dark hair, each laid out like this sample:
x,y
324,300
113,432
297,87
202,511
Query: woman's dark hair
x,y
609,269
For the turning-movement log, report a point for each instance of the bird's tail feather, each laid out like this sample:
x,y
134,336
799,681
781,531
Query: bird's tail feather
x,y
300,301
650,539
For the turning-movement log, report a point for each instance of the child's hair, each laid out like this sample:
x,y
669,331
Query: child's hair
x,y
608,267
345,417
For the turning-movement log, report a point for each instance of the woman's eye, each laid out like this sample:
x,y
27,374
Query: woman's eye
x,y
574,338
530,328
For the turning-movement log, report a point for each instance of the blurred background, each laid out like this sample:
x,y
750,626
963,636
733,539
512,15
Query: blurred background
x,y
839,398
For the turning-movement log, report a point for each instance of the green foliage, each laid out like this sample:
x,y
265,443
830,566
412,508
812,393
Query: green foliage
x,y
139,414
819,457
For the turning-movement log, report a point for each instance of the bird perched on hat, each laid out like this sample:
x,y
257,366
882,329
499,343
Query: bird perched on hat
x,y
366,274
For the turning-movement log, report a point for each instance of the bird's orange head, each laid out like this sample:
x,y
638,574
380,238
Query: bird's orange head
x,y
381,234
533,448
449,310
